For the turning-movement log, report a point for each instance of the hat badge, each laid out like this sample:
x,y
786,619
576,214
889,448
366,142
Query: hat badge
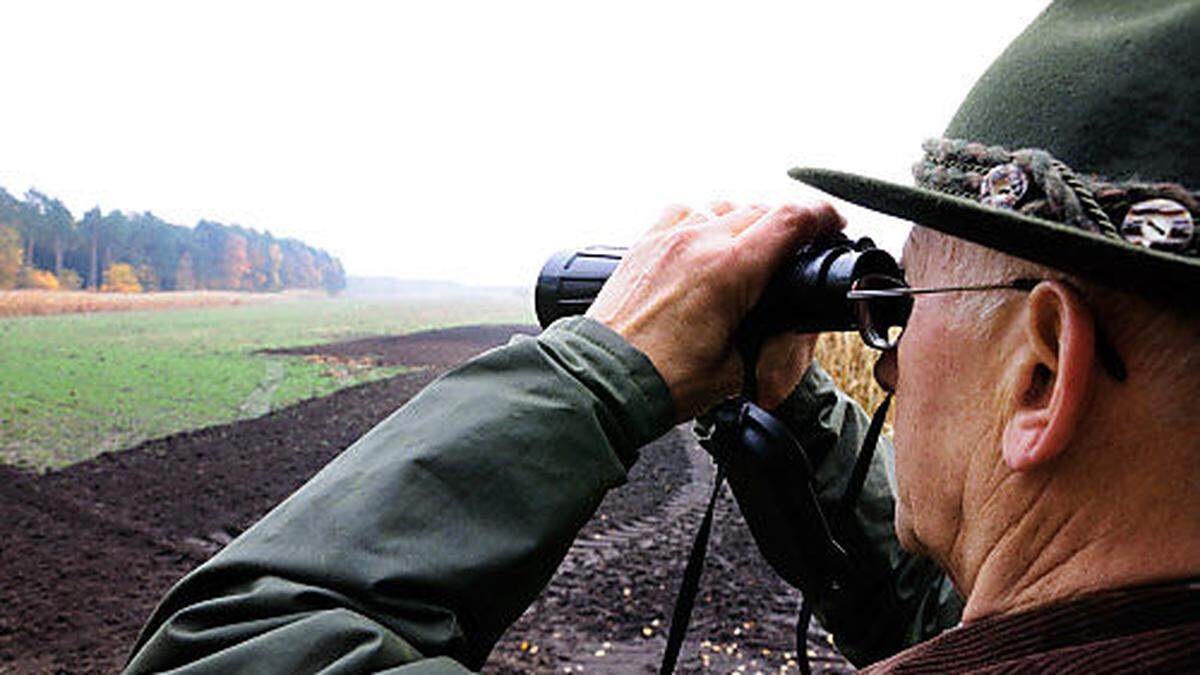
x,y
1003,186
1162,224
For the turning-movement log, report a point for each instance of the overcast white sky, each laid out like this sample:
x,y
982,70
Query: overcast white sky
x,y
468,140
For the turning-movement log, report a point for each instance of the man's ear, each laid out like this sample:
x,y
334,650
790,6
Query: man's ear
x,y
1053,372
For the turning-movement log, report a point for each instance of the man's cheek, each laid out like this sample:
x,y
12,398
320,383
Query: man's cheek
x,y
918,440
914,464
907,450
904,529
909,490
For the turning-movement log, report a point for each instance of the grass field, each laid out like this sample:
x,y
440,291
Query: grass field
x,y
73,386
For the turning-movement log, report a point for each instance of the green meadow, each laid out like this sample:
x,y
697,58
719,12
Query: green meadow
x,y
73,386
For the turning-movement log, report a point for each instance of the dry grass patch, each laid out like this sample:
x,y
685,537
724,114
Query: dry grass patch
x,y
851,364
36,303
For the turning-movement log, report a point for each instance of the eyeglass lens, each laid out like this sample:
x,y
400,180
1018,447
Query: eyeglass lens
x,y
881,320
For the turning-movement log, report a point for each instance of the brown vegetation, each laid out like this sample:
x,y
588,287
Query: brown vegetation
x,y
851,364
34,303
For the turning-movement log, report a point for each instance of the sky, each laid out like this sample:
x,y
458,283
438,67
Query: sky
x,y
466,141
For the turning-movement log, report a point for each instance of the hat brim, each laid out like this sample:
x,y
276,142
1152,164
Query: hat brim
x,y
1088,255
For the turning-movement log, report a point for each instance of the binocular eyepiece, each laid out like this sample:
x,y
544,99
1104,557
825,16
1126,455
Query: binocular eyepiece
x,y
806,295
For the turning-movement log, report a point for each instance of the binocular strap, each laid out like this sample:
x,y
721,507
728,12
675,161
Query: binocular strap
x,y
686,600
853,490
688,588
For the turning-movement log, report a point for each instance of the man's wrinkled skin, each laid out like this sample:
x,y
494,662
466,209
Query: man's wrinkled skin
x,y
682,290
1024,490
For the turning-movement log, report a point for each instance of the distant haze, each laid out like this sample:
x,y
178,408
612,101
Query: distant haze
x,y
391,287
465,141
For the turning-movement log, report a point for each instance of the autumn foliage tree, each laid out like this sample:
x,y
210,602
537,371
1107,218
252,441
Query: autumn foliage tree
x,y
185,275
69,280
10,257
236,273
274,266
121,278
147,277
161,255
55,224
38,280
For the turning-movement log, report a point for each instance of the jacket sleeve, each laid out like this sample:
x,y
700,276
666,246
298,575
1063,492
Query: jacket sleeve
x,y
895,599
415,549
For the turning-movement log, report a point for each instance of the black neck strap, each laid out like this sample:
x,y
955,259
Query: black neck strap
x,y
748,345
690,585
686,600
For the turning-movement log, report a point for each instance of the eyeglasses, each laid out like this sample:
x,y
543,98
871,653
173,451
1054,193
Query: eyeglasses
x,y
882,305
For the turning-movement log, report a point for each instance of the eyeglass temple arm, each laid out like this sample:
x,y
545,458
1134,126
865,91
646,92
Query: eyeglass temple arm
x,y
1015,284
1106,353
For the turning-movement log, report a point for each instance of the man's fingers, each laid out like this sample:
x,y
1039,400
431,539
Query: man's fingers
x,y
678,214
671,216
769,240
782,362
740,220
695,218
721,208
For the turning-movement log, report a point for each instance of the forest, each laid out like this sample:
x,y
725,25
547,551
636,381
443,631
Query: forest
x,y
43,245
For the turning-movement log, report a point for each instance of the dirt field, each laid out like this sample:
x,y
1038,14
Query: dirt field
x,y
87,551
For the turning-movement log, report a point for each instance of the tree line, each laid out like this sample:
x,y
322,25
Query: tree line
x,y
43,245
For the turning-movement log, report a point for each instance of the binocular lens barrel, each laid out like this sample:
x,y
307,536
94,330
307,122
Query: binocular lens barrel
x,y
571,280
807,295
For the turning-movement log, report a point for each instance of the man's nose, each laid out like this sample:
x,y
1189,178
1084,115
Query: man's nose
x,y
886,371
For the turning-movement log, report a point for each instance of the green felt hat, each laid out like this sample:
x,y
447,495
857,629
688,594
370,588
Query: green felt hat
x,y
1078,149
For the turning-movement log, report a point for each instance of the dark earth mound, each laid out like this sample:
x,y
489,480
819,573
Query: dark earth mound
x,y
437,348
86,552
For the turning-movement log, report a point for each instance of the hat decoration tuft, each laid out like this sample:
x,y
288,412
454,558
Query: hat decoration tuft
x,y
1033,182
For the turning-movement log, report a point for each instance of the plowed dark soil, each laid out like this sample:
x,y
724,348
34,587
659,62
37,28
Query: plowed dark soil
x,y
86,552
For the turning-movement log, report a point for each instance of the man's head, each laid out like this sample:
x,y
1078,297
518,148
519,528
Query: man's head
x,y
1011,438
1022,465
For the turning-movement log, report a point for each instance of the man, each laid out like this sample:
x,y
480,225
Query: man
x,y
1046,436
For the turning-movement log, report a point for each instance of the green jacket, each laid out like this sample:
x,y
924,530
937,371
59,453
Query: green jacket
x,y
415,549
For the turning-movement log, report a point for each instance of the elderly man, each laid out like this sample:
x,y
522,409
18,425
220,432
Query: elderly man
x,y
1046,437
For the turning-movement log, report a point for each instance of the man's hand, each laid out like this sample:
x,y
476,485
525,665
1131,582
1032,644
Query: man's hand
x,y
681,291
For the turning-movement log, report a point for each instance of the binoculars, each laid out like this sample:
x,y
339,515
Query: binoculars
x,y
807,295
